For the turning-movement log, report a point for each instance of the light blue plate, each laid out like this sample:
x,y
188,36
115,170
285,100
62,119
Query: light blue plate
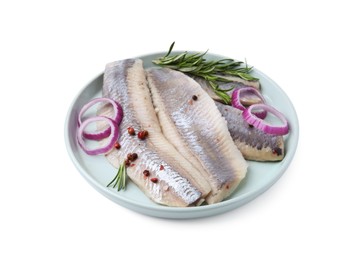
x,y
260,176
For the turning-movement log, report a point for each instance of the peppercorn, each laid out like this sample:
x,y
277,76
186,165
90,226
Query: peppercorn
x,y
142,134
154,180
131,130
195,98
129,156
132,157
146,173
127,163
117,145
277,151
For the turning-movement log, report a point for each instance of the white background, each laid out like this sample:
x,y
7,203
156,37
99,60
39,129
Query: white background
x,y
51,49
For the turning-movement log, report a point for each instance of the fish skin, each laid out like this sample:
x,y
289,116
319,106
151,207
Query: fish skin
x,y
198,127
125,82
253,143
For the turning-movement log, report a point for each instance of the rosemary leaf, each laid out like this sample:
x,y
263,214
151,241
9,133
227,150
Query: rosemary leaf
x,y
119,180
187,69
170,49
124,178
213,71
114,179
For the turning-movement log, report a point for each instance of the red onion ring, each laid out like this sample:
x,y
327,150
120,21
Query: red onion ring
x,y
117,117
114,134
236,101
259,123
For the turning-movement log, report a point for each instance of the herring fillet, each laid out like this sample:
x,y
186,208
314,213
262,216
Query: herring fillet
x,y
125,82
197,129
254,144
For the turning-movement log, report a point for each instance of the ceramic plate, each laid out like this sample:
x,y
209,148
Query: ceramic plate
x,y
260,176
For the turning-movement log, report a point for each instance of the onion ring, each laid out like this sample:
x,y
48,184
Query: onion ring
x,y
236,101
259,123
113,137
117,117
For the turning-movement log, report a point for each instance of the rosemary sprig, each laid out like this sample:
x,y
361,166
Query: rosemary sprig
x,y
120,178
213,71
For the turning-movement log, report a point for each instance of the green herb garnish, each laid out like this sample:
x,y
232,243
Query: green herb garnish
x,y
120,178
213,72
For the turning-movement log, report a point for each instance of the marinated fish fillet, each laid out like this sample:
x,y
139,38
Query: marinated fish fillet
x,y
192,123
253,143
173,181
